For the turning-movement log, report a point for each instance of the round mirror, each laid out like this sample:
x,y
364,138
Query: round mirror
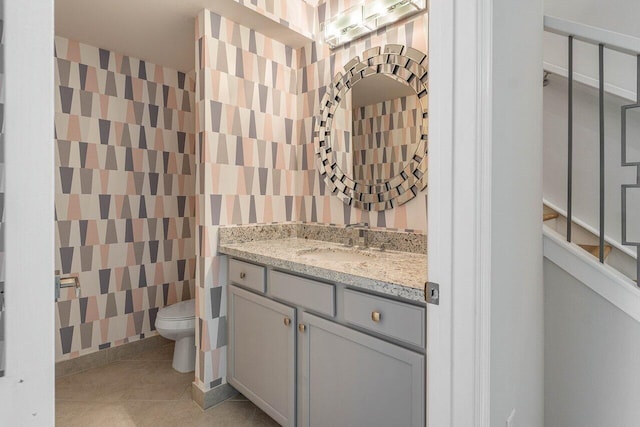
x,y
371,139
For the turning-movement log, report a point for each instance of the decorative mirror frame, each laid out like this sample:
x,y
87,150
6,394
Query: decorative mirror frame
x,y
404,64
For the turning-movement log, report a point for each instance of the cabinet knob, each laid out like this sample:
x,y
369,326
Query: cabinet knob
x,y
302,327
287,321
243,274
375,316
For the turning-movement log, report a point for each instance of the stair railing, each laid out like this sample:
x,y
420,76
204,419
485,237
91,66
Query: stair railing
x,y
627,188
629,45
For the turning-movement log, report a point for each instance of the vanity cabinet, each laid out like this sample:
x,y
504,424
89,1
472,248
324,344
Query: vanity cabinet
x,y
316,354
353,379
248,275
386,317
262,337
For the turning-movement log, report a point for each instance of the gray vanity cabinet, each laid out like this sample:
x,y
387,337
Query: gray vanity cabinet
x,y
317,354
354,379
262,336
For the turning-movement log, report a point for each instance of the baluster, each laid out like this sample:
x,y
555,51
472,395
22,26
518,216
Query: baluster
x,y
602,181
570,142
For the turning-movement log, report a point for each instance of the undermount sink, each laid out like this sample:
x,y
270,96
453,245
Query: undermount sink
x,y
337,254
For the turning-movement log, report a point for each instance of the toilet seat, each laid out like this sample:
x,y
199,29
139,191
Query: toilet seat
x,y
178,311
174,325
181,315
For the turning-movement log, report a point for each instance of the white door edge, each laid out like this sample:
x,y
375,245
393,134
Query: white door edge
x,y
27,390
459,200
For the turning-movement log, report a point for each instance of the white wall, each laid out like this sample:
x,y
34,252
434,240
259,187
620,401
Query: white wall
x,y
516,248
27,390
586,185
620,16
592,362
615,15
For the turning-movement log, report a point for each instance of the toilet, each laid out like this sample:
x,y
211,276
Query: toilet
x,y
178,322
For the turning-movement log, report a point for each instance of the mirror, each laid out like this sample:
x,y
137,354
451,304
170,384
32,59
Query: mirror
x,y
376,129
371,139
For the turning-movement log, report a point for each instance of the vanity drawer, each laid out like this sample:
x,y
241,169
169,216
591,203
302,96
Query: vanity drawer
x,y
248,275
316,296
394,319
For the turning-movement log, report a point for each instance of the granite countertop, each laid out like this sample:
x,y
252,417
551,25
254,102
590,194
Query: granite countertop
x,y
396,273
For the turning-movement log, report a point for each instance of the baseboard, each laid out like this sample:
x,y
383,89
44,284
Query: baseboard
x,y
108,355
209,398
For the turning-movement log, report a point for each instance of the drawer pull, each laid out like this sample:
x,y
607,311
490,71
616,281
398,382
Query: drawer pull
x,y
375,316
287,321
302,327
243,274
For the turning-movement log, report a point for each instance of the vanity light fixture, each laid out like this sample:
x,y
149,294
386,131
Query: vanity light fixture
x,y
367,17
379,13
345,27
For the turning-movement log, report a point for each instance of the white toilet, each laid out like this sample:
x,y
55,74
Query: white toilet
x,y
178,322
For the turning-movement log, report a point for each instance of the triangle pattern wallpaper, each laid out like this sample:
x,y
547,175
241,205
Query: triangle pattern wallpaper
x,y
150,162
125,202
256,105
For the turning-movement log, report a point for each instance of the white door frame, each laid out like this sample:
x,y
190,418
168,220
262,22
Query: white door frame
x,y
459,232
27,390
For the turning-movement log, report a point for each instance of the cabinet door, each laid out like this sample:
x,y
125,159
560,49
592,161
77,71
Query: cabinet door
x,y
352,379
262,353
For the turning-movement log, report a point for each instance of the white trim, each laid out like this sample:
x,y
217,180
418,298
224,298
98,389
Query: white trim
x,y
470,328
27,390
625,249
594,35
590,81
484,219
440,201
612,285
458,345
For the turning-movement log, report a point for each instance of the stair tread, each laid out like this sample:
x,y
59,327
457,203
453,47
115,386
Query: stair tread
x,y
595,250
548,213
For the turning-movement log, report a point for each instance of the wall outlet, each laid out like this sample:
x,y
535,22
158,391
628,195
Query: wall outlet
x,y
511,419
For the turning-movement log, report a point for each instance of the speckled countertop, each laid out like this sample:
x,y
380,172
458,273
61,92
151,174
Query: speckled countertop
x,y
400,274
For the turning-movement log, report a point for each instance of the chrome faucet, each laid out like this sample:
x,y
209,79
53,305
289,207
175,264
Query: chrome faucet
x,y
362,229
357,224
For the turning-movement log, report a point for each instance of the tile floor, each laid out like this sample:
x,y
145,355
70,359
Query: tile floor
x,y
144,390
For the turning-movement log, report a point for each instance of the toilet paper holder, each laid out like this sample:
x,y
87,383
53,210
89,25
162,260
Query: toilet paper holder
x,y
66,282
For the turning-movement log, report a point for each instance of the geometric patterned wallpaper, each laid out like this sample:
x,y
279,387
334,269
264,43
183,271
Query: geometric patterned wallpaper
x,y
317,65
342,134
257,101
297,15
125,195
152,161
246,158
385,137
